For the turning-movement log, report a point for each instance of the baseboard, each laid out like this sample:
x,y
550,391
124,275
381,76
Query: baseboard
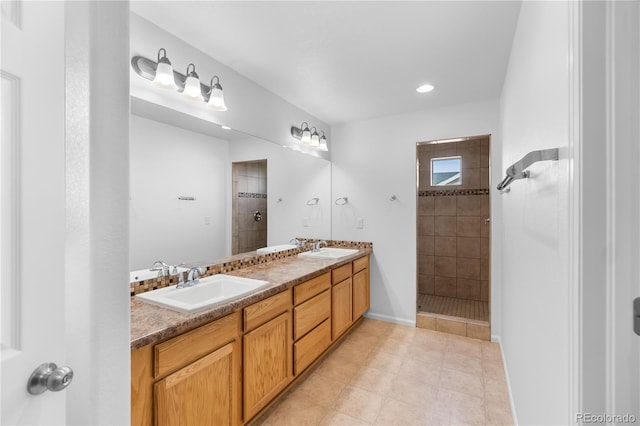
x,y
388,318
496,339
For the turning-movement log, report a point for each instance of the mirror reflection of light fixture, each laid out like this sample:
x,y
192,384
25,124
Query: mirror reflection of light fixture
x,y
192,85
216,96
164,72
303,134
323,142
315,138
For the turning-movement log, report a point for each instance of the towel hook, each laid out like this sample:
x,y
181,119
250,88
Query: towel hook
x,y
313,201
342,201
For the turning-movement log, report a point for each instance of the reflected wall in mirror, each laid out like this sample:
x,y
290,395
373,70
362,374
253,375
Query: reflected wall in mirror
x,y
181,179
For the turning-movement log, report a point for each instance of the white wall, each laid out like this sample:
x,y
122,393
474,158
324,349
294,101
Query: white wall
x,y
535,238
375,159
167,162
295,178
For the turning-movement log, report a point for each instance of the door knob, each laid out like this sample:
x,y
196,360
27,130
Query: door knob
x,y
49,377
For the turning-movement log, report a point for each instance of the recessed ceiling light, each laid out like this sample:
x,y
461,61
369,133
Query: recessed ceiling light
x,y
225,127
425,88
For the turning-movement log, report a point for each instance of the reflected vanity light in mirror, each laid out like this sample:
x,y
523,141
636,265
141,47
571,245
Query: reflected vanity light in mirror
x,y
310,137
216,97
192,85
164,72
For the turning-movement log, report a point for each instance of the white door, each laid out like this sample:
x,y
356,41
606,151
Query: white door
x,y
32,182
624,355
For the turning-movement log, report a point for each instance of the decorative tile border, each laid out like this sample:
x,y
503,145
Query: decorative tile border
x,y
251,195
238,262
452,192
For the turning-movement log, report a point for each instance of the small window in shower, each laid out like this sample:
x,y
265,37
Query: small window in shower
x,y
446,171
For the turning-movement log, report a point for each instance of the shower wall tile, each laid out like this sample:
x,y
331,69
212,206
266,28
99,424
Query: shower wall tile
x,y
468,268
468,205
426,246
426,284
470,156
485,248
426,206
425,226
445,246
468,226
470,179
445,206
484,291
468,247
484,205
445,226
426,265
446,267
485,229
484,269
445,286
468,289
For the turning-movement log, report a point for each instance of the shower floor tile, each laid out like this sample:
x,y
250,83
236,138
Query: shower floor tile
x,y
450,306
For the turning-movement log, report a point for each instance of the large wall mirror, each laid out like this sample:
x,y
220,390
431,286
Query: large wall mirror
x,y
196,190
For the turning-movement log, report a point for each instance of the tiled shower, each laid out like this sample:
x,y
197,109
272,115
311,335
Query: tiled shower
x,y
249,206
453,232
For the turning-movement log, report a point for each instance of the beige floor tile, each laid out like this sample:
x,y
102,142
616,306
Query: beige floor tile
x,y
462,408
493,369
401,332
292,413
334,418
351,351
363,341
393,346
464,346
424,370
320,390
429,339
338,368
358,403
373,380
496,391
455,380
464,363
491,351
384,361
414,391
498,414
395,412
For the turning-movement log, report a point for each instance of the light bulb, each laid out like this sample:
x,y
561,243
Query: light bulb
x,y
216,96
192,85
315,138
306,135
164,72
322,146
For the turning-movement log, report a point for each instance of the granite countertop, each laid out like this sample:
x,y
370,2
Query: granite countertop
x,y
152,324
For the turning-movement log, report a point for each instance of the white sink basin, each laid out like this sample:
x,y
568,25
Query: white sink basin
x,y
275,249
329,253
209,292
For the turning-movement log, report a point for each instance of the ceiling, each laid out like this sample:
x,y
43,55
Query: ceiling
x,y
345,61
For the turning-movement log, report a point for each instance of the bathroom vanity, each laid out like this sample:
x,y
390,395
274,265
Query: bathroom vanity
x,y
227,364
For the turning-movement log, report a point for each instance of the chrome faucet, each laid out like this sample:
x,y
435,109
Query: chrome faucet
x,y
161,267
192,277
297,242
315,247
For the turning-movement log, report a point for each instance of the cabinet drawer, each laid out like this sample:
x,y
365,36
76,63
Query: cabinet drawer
x,y
311,313
341,273
360,264
173,354
307,349
307,290
261,312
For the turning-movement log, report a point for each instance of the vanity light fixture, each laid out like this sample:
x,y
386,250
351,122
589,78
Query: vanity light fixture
x,y
323,142
216,97
315,138
192,85
161,74
425,88
310,137
164,72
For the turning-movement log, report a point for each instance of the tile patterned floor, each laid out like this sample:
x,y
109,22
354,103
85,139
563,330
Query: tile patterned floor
x,y
387,374
471,309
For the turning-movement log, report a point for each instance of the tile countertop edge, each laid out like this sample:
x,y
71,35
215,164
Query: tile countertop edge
x,y
152,324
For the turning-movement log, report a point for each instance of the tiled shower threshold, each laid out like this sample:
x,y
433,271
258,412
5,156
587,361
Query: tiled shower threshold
x,y
468,318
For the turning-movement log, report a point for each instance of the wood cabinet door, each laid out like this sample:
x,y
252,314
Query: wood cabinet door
x,y
340,308
360,293
200,393
267,363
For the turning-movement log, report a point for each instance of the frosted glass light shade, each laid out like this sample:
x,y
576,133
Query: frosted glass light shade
x,y
164,77
216,99
315,139
323,144
306,136
192,89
